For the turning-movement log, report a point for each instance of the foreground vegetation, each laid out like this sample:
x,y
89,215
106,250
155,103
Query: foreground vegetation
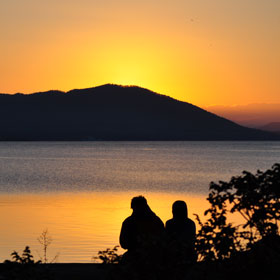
x,y
224,251
249,250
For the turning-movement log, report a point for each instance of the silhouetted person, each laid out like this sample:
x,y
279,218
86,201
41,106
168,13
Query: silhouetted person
x,y
181,233
142,235
141,228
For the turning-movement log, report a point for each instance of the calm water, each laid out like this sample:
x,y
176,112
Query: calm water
x,y
81,191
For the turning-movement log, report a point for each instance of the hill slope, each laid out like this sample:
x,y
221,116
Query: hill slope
x,y
112,112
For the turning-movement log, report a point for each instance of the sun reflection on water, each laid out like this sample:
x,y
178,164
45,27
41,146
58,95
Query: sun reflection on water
x,y
79,223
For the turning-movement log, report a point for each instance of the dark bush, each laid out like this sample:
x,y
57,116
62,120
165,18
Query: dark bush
x,y
256,198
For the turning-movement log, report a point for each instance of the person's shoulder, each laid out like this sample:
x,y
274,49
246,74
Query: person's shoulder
x,y
158,219
169,223
191,222
128,220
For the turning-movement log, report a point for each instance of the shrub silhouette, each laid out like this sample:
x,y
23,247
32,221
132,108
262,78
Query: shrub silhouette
x,y
25,258
24,267
256,198
109,256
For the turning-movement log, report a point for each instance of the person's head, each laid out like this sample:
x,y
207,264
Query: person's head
x,y
139,204
180,209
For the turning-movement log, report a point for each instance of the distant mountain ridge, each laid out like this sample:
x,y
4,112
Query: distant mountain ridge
x,y
273,127
253,115
112,112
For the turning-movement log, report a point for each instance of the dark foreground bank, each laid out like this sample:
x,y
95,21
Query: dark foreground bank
x,y
57,271
260,265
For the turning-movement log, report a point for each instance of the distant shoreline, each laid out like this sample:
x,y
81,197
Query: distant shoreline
x,y
142,140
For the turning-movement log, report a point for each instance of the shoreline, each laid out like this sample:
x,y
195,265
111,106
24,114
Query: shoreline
x,y
70,271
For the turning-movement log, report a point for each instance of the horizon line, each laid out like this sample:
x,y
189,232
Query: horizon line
x,y
137,86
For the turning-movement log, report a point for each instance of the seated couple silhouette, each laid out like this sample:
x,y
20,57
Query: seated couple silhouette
x,y
144,236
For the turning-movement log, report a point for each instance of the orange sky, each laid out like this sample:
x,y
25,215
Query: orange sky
x,y
204,52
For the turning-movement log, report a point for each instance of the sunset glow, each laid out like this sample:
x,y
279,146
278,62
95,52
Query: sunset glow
x,y
149,126
203,52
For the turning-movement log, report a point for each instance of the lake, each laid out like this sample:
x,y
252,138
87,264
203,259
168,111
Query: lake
x,y
81,191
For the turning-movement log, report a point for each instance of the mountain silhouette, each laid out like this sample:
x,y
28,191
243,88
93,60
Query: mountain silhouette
x,y
112,112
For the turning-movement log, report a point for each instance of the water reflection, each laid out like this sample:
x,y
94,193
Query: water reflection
x,y
79,223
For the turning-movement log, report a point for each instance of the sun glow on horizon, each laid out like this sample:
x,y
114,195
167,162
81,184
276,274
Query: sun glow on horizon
x,y
201,52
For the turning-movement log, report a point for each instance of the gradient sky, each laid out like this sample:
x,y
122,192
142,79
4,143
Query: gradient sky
x,y
204,52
